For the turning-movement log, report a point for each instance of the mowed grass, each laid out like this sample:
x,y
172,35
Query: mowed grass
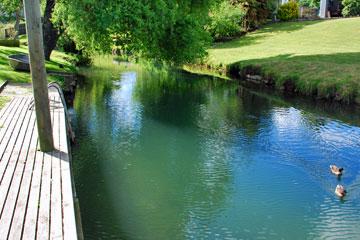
x,y
318,56
59,62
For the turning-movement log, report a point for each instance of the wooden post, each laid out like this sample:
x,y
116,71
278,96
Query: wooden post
x,y
38,74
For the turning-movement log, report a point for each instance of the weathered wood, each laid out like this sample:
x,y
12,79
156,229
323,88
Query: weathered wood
x,y
6,108
29,228
68,201
8,147
10,116
43,229
56,198
36,195
21,204
14,172
38,73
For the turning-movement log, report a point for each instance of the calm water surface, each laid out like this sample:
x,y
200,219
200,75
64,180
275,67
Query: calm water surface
x,y
173,156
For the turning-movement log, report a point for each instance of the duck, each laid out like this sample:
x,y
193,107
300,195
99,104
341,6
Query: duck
x,y
340,191
336,170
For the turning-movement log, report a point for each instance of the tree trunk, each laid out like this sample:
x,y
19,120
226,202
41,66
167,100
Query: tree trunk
x,y
51,34
17,23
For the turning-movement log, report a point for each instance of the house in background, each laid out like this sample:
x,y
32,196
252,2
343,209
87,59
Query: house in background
x,y
328,8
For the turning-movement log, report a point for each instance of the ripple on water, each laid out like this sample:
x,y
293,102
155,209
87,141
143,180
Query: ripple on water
x,y
216,166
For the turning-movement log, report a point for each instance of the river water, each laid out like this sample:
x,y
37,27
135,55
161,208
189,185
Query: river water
x,y
175,156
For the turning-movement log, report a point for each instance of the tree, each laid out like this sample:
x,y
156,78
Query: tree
x,y
257,11
163,30
10,7
51,34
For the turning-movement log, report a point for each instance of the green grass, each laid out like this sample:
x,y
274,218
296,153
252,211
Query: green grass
x,y
318,56
7,73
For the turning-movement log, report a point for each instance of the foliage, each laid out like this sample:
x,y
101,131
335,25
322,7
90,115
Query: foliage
x,y
288,11
310,3
351,8
257,12
226,20
166,30
10,42
10,6
66,44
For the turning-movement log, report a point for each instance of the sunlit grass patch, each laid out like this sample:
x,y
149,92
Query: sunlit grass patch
x,y
319,56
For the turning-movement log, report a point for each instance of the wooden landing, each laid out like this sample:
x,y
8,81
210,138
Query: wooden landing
x,y
36,195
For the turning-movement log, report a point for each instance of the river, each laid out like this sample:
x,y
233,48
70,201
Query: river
x,y
177,156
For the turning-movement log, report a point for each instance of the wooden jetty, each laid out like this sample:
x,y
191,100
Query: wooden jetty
x,y
36,188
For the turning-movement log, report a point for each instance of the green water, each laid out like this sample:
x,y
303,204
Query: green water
x,y
175,156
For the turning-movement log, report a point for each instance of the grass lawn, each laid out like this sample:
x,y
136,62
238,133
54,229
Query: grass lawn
x,y
7,73
318,56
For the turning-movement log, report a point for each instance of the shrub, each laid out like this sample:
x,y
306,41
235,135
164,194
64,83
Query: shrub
x,y
256,12
9,42
351,8
288,11
226,20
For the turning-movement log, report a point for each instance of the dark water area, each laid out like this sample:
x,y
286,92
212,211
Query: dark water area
x,y
179,156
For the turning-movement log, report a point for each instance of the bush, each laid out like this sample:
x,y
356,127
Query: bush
x,y
289,11
226,20
9,42
256,12
351,8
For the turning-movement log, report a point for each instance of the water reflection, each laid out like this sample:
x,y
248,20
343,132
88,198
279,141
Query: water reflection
x,y
173,156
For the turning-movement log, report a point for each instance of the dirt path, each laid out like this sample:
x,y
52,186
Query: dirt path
x,y
17,89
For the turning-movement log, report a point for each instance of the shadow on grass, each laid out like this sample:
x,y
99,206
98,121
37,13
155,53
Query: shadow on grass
x,y
240,42
286,26
255,37
337,58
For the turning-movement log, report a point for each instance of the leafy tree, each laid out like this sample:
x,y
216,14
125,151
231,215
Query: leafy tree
x,y
351,8
164,30
11,7
257,11
226,20
51,34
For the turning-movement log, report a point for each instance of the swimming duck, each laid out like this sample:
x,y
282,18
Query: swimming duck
x,y
336,170
340,191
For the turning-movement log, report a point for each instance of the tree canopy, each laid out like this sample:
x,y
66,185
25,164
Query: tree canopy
x,y
164,30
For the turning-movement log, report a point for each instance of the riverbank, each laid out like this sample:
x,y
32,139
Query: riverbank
x,y
314,58
60,62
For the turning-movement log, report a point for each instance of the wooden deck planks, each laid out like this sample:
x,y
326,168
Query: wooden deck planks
x,y
36,195
4,112
68,203
56,232
30,222
14,173
10,122
21,204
